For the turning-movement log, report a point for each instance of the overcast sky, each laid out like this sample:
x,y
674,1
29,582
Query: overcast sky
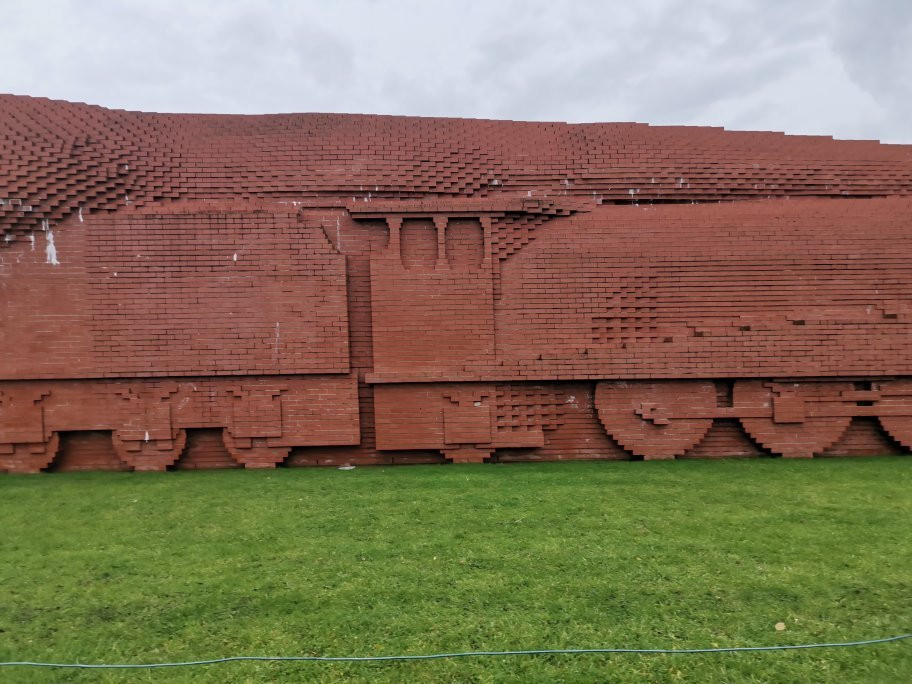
x,y
835,67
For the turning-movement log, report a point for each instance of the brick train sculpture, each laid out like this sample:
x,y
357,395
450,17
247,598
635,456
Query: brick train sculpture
x,y
193,291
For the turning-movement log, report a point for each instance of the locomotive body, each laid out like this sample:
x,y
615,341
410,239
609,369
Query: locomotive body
x,y
251,291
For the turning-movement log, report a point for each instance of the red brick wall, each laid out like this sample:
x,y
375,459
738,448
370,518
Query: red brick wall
x,y
186,292
148,421
219,291
56,157
802,287
432,315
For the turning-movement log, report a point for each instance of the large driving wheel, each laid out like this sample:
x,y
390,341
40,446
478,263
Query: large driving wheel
x,y
656,419
790,430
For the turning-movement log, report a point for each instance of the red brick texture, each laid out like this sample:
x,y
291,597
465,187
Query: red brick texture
x,y
186,291
181,291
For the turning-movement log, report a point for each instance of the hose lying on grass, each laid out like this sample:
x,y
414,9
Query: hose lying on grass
x,y
464,654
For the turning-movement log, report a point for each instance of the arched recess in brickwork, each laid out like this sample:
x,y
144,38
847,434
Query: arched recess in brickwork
x,y
205,449
464,243
895,396
418,242
864,437
87,450
656,420
781,415
726,439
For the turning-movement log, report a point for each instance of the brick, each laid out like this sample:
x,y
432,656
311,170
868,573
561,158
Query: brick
x,y
319,289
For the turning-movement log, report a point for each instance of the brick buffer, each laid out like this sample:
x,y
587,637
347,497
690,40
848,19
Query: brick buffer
x,y
191,291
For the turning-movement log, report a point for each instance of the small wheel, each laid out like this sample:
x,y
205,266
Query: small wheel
x,y
149,455
897,394
641,415
30,457
254,455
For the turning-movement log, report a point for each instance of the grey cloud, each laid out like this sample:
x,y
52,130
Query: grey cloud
x,y
660,66
875,42
820,66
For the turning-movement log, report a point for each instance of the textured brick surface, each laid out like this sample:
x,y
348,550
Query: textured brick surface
x,y
189,291
185,291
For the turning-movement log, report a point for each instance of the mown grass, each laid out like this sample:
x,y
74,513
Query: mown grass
x,y
121,567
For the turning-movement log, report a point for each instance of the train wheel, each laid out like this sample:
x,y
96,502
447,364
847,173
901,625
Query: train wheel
x,y
254,453
640,416
28,458
788,430
897,394
150,455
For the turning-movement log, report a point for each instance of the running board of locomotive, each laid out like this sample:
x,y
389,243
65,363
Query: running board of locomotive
x,y
261,418
653,419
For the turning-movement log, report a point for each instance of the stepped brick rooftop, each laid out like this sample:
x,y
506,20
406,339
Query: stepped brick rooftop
x,y
200,291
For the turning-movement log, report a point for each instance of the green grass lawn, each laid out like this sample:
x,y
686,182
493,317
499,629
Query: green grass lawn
x,y
124,567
